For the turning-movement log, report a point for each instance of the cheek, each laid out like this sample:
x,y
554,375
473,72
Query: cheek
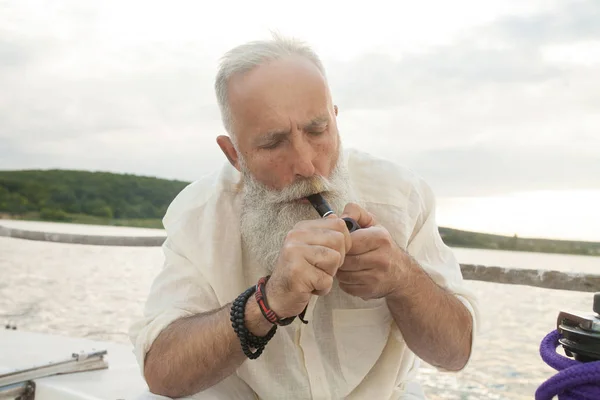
x,y
269,171
327,155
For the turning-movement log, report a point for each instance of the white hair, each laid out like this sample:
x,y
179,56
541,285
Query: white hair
x,y
247,56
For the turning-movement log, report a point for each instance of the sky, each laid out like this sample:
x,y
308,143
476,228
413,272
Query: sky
x,y
496,104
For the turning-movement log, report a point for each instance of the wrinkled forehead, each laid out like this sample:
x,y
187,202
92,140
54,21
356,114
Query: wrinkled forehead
x,y
277,94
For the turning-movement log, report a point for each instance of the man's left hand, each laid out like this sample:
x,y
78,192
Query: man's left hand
x,y
375,266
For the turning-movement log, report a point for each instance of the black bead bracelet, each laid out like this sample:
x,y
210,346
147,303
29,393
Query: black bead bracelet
x,y
247,339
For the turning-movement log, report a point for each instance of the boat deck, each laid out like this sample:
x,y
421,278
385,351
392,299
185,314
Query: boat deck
x,y
122,379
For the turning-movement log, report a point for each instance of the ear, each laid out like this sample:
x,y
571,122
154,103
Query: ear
x,y
335,109
226,146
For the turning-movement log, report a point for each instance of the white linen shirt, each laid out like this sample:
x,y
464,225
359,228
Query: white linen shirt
x,y
350,348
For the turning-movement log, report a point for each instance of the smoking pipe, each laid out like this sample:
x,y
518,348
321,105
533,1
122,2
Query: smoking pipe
x,y
324,209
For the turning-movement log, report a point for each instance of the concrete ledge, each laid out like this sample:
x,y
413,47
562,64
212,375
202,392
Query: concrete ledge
x,y
529,277
145,241
579,282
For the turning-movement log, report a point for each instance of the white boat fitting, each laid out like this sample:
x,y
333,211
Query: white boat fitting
x,y
78,368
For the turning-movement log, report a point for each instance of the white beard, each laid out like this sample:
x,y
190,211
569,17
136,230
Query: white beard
x,y
267,215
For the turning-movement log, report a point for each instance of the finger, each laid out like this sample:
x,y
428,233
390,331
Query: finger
x,y
354,263
328,238
331,222
364,218
306,277
341,226
321,282
360,277
362,262
323,258
367,240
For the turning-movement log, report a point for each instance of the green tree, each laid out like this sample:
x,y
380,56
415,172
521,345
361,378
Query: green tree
x,y
97,207
50,214
13,203
64,198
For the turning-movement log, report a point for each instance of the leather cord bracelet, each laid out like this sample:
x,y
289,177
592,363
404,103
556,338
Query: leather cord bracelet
x,y
267,312
237,316
248,340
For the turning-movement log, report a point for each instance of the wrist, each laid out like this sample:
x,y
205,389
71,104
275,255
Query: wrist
x,y
408,279
256,322
273,297
263,304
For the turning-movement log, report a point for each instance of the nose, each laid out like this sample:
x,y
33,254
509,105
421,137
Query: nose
x,y
303,157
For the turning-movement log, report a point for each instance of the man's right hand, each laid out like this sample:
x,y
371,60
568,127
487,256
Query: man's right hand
x,y
309,259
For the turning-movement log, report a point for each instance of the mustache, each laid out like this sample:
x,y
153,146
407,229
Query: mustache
x,y
299,189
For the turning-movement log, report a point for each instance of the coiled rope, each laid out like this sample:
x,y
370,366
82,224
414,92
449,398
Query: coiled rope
x,y
575,380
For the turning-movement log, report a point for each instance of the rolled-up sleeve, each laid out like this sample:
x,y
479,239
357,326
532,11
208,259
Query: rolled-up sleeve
x,y
180,290
438,260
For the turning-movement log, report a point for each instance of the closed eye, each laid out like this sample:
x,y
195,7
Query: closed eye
x,y
272,145
273,140
316,131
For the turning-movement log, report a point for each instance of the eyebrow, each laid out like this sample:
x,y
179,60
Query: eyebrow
x,y
316,122
272,136
280,134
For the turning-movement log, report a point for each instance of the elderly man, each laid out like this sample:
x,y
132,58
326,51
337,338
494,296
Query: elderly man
x,y
259,297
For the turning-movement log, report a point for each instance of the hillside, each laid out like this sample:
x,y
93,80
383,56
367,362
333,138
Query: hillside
x,y
123,199
62,195
476,240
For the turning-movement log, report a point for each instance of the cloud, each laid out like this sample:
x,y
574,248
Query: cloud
x,y
572,21
506,52
72,100
484,171
86,87
488,113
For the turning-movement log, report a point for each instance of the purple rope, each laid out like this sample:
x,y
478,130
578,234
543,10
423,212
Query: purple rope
x,y
574,381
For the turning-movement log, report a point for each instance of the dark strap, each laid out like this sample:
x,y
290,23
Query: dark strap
x,y
263,304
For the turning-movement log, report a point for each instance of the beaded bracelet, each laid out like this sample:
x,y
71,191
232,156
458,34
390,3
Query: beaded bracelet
x,y
247,339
